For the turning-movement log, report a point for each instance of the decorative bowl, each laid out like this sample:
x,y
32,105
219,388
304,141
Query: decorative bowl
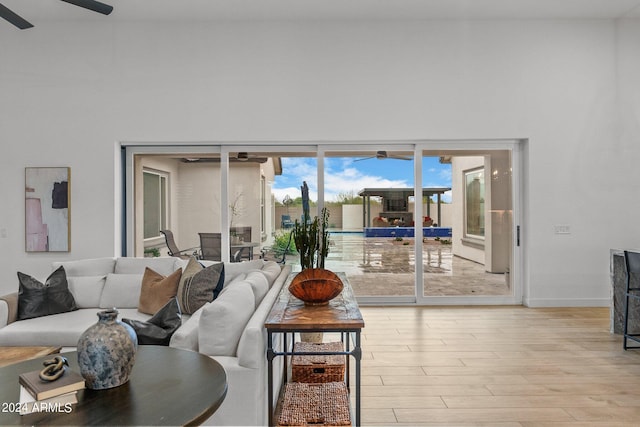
x,y
316,286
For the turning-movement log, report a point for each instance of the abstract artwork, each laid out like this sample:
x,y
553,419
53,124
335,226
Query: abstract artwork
x,y
47,215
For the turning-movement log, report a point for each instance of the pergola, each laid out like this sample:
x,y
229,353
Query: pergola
x,y
396,200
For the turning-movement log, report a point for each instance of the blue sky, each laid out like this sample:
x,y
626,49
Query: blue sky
x,y
344,175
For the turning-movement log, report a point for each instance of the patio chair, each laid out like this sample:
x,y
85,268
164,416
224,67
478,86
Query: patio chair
x,y
211,248
285,221
173,248
244,234
269,253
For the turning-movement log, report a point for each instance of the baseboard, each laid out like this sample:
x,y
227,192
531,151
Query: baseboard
x,y
567,302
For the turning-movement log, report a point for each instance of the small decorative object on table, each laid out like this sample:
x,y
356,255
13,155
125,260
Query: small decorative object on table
x,y
54,380
316,286
107,351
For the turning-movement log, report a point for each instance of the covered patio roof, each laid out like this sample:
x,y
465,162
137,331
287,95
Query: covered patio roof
x,y
398,194
406,192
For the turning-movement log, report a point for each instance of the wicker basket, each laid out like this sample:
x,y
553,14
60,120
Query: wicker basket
x,y
317,369
325,404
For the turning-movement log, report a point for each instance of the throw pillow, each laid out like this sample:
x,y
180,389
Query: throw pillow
x,y
199,285
186,337
223,321
36,299
159,329
157,290
121,291
86,290
259,285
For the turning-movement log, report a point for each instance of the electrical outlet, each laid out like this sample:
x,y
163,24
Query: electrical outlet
x,y
562,229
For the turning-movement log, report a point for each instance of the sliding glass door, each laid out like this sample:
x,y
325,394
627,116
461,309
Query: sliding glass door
x,y
369,194
453,243
468,244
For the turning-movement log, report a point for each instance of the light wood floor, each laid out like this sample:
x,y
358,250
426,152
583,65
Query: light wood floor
x,y
496,366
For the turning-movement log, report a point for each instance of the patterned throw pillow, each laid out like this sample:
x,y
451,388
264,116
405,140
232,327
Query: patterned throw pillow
x,y
199,285
37,299
157,290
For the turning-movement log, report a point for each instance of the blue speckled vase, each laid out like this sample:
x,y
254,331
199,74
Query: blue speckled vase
x,y
107,352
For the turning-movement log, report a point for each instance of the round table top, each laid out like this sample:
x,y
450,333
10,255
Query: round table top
x,y
167,386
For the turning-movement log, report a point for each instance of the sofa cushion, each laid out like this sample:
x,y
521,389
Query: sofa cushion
x,y
186,337
87,267
223,320
37,299
238,279
259,285
58,329
87,290
199,285
271,270
157,290
121,291
130,265
232,269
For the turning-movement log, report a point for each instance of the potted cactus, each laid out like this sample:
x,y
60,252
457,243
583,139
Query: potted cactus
x,y
314,284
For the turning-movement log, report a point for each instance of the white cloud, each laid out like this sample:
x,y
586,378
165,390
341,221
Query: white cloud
x,y
341,176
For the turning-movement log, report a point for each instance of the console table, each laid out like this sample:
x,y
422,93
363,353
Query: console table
x,y
289,315
167,386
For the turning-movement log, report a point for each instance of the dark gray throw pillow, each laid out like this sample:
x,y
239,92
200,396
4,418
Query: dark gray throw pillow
x,y
199,285
159,329
37,299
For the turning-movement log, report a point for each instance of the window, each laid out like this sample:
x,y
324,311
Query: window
x,y
155,202
474,203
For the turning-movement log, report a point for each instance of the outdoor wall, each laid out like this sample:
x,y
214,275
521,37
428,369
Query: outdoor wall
x,y
198,203
459,246
199,199
499,214
72,91
352,217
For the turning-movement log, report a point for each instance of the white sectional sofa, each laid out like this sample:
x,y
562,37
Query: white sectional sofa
x,y
230,329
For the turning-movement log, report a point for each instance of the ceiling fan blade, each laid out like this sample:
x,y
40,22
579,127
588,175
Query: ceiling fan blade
x,y
94,5
399,157
13,18
364,158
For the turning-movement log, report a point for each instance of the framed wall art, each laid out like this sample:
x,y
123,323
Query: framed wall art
x,y
47,209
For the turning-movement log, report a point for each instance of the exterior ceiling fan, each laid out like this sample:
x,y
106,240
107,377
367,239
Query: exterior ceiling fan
x,y
238,157
23,24
381,155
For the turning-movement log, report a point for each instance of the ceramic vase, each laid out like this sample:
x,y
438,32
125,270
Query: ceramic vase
x,y
107,352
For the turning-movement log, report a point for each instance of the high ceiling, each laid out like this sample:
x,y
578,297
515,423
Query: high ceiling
x,y
320,10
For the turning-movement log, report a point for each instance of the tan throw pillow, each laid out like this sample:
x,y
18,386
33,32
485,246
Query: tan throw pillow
x,y
157,290
199,285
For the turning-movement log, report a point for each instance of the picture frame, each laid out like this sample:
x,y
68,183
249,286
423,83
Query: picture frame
x,y
47,209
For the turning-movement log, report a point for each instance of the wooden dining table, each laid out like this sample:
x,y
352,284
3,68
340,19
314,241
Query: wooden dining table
x,y
167,386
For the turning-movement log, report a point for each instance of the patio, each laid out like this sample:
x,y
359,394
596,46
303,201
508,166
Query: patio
x,y
379,266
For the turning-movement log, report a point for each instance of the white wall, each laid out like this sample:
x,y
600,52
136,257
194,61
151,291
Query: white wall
x,y
71,91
